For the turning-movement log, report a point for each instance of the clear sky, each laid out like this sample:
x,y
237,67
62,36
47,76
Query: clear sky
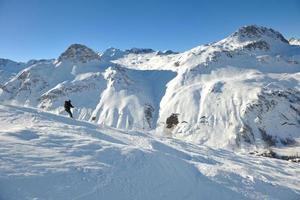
x,y
45,28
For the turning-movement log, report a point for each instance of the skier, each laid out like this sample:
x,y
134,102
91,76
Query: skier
x,y
68,107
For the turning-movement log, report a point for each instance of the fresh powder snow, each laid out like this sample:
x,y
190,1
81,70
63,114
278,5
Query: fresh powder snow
x,y
46,156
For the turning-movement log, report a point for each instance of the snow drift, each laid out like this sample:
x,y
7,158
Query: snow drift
x,y
46,156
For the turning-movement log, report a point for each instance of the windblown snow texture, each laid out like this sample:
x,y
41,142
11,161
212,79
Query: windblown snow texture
x,y
46,156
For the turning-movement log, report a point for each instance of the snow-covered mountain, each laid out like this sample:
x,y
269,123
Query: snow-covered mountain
x,y
294,41
115,96
242,91
78,53
225,85
228,105
8,69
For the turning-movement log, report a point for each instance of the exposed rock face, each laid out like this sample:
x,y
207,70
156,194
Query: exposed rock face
x,y
40,61
172,120
139,50
79,53
274,118
262,45
111,54
254,31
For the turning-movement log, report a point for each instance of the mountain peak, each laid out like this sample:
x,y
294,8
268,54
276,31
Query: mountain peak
x,y
111,54
9,63
294,41
256,32
79,53
139,50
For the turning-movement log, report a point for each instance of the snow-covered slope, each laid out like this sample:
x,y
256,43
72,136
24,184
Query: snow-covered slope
x,y
8,69
228,94
99,89
46,156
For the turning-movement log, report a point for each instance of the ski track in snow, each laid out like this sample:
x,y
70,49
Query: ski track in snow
x,y
46,156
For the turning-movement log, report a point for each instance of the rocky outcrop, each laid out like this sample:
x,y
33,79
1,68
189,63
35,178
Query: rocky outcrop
x,y
258,32
78,53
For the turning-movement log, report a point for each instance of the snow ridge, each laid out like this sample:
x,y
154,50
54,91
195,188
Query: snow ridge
x,y
294,41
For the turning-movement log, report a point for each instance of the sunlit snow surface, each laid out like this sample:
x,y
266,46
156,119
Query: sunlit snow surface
x,y
233,97
46,156
240,92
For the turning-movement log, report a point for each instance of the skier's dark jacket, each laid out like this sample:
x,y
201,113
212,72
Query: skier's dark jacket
x,y
68,105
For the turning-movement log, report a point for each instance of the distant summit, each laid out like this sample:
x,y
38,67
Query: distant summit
x,y
253,37
111,54
258,32
79,53
139,50
294,41
166,52
6,62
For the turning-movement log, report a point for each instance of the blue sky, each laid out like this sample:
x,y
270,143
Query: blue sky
x,y
45,28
